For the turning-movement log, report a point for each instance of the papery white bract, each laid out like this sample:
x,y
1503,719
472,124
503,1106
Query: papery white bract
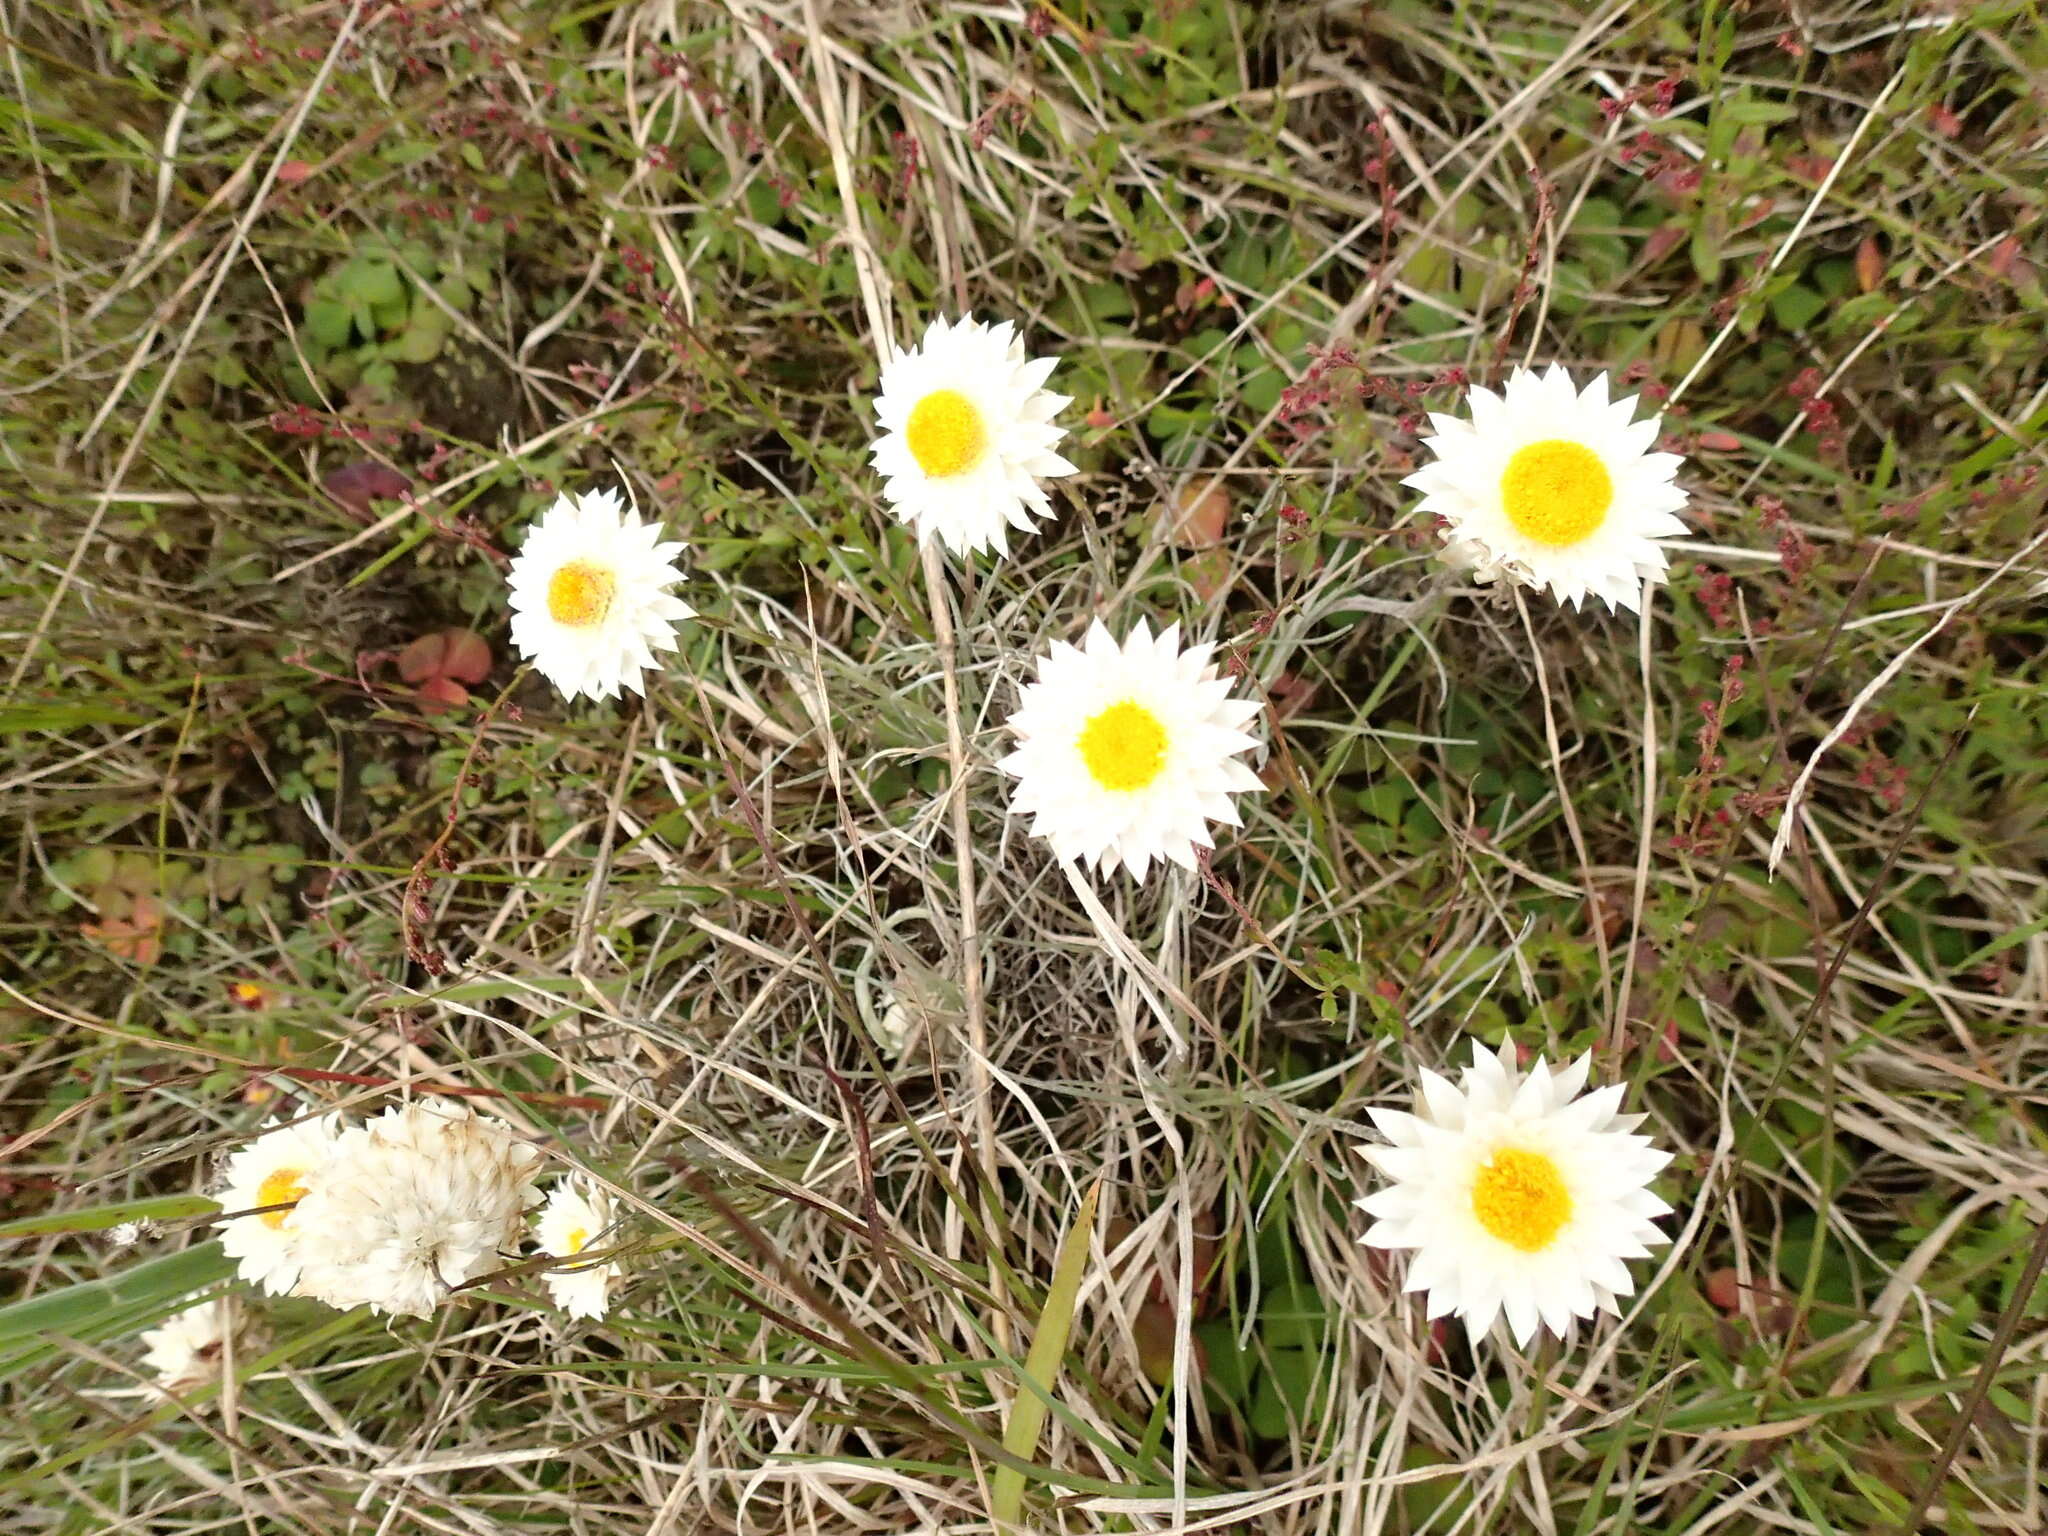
x,y
589,595
1550,486
420,1199
273,1170
575,1218
1125,753
1517,1196
967,434
185,1351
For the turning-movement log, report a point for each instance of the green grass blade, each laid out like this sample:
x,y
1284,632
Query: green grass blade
x,y
97,1218
1042,1364
73,1310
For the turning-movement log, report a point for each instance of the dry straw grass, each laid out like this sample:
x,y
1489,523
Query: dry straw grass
x,y
660,935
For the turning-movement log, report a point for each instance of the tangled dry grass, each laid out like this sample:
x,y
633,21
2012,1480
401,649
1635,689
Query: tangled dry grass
x,y
495,249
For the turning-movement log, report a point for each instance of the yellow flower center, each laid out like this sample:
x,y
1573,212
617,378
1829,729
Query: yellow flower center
x,y
1556,492
1124,746
580,594
1520,1198
281,1186
946,434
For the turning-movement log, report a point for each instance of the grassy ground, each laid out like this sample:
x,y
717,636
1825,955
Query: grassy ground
x,y
260,278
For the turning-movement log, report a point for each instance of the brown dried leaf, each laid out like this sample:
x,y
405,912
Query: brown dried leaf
x,y
1208,573
1195,514
1152,1332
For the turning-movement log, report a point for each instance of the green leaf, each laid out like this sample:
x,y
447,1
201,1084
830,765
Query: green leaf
x,y
1042,1364
76,1307
419,343
1756,114
1229,1376
1293,1317
329,323
1796,307
372,283
1286,1389
98,1218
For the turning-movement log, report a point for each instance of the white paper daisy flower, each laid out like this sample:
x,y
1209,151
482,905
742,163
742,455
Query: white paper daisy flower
x,y
420,1199
1550,486
590,598
576,1218
967,434
186,1350
1516,1196
273,1170
1126,752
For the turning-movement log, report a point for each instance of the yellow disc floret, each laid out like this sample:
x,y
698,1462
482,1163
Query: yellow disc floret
x,y
1556,492
1520,1198
281,1186
574,1239
1124,746
580,594
946,434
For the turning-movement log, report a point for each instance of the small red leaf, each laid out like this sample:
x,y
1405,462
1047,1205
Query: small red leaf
x,y
292,172
355,486
1724,1289
1869,264
425,658
1720,442
438,694
469,657
1664,239
1944,119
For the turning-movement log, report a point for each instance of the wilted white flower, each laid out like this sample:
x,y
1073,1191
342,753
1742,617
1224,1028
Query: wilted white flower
x,y
590,599
273,1171
967,434
1126,752
1550,486
186,1351
420,1199
1517,1196
572,1220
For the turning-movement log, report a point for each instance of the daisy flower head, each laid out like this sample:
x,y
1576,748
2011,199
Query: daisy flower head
x,y
967,434
274,1170
1126,752
1516,1194
185,1351
1552,486
575,1218
418,1200
590,598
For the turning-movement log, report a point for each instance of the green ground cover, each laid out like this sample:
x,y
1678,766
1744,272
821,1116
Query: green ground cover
x,y
311,308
